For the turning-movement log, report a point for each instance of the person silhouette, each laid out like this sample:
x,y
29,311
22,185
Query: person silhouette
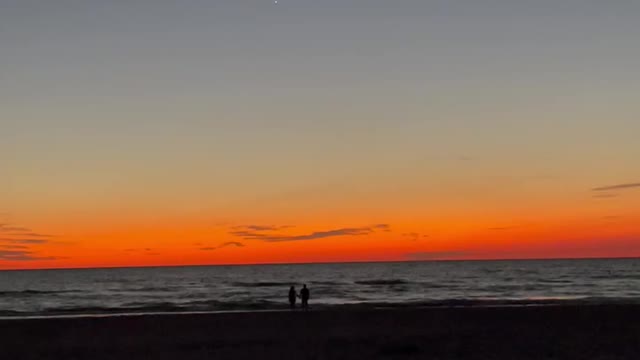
x,y
304,295
292,297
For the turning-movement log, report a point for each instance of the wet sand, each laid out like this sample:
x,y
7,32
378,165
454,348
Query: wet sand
x,y
543,332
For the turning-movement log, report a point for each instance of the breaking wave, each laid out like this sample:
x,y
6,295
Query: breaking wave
x,y
263,305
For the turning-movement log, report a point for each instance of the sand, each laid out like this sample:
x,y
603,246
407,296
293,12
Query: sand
x,y
549,332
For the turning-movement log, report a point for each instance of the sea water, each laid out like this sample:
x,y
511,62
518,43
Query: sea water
x,y
265,287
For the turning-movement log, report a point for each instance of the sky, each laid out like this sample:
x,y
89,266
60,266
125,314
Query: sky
x,y
145,133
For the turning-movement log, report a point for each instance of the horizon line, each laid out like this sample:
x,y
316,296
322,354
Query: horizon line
x,y
324,263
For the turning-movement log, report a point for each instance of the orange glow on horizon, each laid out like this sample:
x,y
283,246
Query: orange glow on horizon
x,y
195,241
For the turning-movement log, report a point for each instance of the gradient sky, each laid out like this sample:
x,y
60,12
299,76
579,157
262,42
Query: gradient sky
x,y
213,132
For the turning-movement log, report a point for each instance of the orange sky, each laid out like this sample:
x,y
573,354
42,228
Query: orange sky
x,y
112,239
242,132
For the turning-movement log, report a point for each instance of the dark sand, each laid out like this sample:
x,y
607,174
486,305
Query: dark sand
x,y
552,332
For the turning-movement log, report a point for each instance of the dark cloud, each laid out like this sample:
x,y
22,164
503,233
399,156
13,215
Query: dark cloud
x,y
232,243
260,227
8,228
19,231
265,235
250,235
32,234
17,243
25,241
247,234
22,255
254,232
617,187
382,227
227,244
9,246
435,255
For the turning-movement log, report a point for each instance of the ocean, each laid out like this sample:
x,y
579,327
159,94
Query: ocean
x,y
265,287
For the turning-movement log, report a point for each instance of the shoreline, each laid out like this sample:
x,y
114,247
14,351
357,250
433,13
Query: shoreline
x,y
520,332
399,261
154,310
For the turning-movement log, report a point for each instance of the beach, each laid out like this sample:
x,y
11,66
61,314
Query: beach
x,y
518,332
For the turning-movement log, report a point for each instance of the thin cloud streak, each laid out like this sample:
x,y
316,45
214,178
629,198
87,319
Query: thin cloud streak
x,y
22,255
617,187
227,244
19,231
19,243
232,243
261,227
139,250
8,228
605,196
9,246
413,236
248,234
25,241
32,234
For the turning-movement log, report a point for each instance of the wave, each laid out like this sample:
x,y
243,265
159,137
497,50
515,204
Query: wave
x,y
30,292
235,305
212,305
331,283
153,307
434,285
461,302
148,289
557,281
382,282
612,276
261,284
508,288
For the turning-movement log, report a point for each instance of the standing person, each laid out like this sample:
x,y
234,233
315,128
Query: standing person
x,y
304,295
292,297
